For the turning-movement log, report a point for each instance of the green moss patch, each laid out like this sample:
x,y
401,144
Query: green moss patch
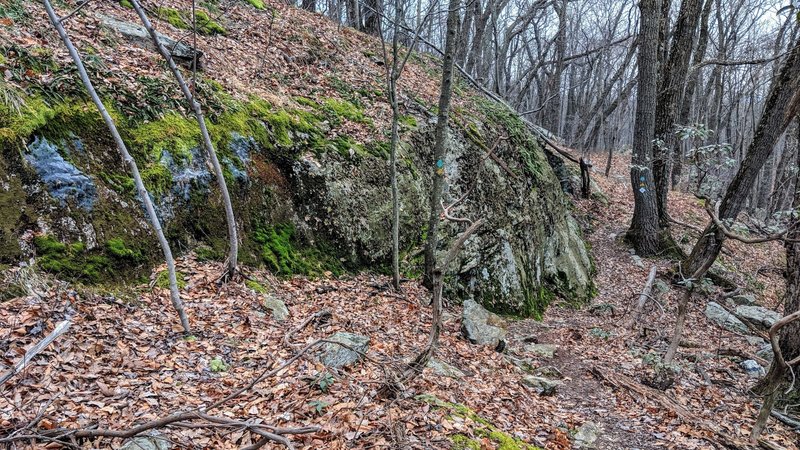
x,y
284,254
257,4
72,261
483,428
183,20
162,279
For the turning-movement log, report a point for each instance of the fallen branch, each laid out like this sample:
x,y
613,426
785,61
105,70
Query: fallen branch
x,y
707,431
60,329
648,286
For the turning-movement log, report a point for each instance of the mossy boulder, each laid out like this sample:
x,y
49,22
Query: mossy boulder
x,y
309,198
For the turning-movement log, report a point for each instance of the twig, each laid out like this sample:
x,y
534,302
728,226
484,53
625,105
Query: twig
x,y
648,286
60,329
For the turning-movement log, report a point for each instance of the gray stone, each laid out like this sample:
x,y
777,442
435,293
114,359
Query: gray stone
x,y
586,435
743,299
523,364
765,351
444,369
336,356
718,315
752,369
480,326
542,385
758,315
279,310
542,350
637,261
181,52
154,442
755,340
660,286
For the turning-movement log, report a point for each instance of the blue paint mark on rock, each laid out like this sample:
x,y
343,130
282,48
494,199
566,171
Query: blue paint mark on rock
x,y
240,146
63,180
185,177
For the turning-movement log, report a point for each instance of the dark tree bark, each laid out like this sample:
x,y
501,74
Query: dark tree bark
x,y
773,123
688,95
673,79
309,5
644,232
372,17
439,149
771,387
552,111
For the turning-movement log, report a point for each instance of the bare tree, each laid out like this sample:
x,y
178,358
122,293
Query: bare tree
x,y
231,262
129,161
440,144
781,107
644,231
394,70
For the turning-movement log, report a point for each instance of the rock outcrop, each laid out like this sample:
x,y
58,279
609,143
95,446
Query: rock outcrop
x,y
311,194
482,327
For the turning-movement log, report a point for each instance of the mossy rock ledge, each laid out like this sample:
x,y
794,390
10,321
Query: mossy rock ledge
x,y
308,201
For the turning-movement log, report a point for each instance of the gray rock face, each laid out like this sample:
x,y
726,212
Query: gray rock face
x,y
181,52
542,350
154,442
752,369
758,315
743,299
587,435
444,369
480,326
336,356
529,249
718,315
279,310
543,386
765,351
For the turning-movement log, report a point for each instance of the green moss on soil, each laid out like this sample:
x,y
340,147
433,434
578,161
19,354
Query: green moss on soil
x,y
72,261
183,20
257,4
483,428
162,279
283,254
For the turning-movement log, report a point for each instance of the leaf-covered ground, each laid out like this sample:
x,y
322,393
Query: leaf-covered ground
x,y
124,361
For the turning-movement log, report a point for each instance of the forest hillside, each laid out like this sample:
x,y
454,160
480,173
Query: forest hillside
x,y
253,224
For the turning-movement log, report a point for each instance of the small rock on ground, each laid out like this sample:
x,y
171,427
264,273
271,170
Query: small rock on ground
x,y
542,350
759,316
723,318
542,385
279,310
480,326
752,369
154,442
587,435
336,356
444,369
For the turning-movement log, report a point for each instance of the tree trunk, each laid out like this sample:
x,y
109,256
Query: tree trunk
x,y
208,146
310,5
372,17
789,338
552,111
439,148
130,162
772,124
673,79
643,232
688,95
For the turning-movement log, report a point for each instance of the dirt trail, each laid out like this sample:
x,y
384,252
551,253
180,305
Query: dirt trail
x,y
597,337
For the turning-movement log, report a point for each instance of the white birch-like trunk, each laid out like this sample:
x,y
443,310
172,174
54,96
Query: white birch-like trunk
x,y
129,161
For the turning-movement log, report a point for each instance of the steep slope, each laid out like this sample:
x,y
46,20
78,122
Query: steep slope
x,y
297,109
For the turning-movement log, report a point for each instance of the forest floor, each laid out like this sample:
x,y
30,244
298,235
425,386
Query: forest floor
x,y
125,362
